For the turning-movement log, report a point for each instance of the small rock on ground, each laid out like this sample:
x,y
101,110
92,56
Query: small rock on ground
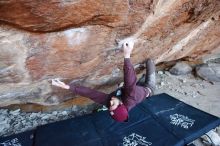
x,y
180,68
209,72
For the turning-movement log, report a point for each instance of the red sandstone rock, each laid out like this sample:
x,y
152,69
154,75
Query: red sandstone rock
x,y
56,15
77,40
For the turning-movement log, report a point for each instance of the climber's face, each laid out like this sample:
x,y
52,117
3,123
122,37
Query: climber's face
x,y
114,103
118,111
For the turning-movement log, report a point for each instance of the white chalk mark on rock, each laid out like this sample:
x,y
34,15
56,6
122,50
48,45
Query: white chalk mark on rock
x,y
76,36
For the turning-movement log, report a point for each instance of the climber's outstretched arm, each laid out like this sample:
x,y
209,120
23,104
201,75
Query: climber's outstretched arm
x,y
96,96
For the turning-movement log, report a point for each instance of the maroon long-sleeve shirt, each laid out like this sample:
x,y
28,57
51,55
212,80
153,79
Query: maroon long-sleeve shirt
x,y
132,94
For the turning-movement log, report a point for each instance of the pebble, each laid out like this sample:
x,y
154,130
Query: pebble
x,y
3,127
75,108
162,83
3,122
183,80
17,125
160,72
16,121
45,117
194,85
64,113
201,85
4,111
16,112
23,122
167,73
2,117
33,115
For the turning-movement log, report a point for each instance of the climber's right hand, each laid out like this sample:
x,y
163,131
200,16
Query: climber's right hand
x,y
58,83
128,47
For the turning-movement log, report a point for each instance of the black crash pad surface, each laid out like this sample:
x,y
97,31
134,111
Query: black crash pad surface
x,y
160,120
21,139
182,120
99,129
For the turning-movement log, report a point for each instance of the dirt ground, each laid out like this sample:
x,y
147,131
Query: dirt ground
x,y
192,90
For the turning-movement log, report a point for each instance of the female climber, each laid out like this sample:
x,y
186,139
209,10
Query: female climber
x,y
132,94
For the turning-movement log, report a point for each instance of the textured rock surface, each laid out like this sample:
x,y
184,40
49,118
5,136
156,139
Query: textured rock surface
x,y
180,68
209,72
75,41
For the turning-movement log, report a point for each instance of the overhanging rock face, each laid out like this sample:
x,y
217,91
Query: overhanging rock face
x,y
76,41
